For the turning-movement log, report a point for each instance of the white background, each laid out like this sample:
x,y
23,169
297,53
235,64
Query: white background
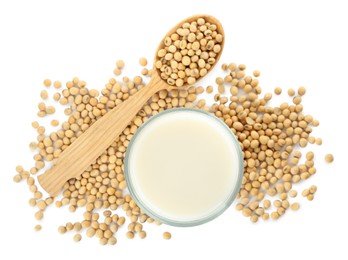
x,y
293,43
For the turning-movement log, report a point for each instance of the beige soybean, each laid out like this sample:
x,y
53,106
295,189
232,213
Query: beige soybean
x,y
295,206
209,89
44,94
329,158
77,237
62,230
39,215
37,228
293,193
291,92
130,235
57,84
167,235
112,241
120,64
143,61
142,234
305,192
310,197
47,82
301,91
313,189
277,91
256,73
318,141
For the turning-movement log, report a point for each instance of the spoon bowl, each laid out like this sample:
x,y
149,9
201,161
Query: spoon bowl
x,y
209,19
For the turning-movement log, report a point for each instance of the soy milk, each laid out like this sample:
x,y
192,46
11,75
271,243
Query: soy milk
x,y
184,165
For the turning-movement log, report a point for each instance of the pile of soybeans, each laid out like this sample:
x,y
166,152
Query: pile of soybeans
x,y
271,138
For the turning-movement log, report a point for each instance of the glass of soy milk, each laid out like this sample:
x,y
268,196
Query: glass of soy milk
x,y
184,167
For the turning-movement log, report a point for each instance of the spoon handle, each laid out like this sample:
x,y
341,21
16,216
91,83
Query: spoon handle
x,y
98,137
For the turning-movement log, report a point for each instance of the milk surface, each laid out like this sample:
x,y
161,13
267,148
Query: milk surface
x,y
184,165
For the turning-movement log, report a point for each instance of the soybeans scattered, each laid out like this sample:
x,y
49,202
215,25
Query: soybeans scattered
x,y
120,64
167,235
310,197
38,228
35,124
117,71
142,234
301,91
256,73
275,215
130,235
55,122
268,137
33,146
47,83
32,202
209,89
277,91
291,92
143,62
57,84
39,215
305,192
318,141
329,158
254,218
77,238
62,230
295,206
271,137
293,194
44,94
112,241
313,189
221,88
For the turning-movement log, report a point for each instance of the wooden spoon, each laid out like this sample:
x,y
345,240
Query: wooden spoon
x,y
98,137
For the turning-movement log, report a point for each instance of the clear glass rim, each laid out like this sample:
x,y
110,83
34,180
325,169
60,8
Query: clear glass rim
x,y
184,223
